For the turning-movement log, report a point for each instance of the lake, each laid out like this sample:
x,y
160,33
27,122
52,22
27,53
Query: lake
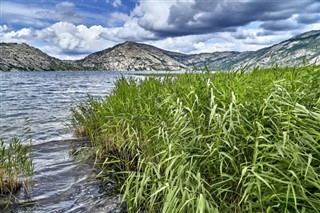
x,y
45,99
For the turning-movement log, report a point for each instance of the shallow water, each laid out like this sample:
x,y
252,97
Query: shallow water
x,y
44,98
61,185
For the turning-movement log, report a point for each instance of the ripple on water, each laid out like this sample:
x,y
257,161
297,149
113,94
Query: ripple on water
x,y
59,184
62,185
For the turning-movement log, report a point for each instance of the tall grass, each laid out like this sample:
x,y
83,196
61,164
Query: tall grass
x,y
223,142
15,166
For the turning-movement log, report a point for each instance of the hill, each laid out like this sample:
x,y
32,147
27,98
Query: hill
x,y
22,57
131,56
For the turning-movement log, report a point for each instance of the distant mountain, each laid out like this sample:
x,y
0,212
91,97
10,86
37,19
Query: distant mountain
x,y
303,48
222,60
22,57
131,56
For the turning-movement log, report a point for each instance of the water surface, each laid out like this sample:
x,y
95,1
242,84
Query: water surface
x,y
44,98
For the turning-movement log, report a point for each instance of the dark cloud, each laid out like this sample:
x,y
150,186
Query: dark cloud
x,y
266,33
201,17
281,25
308,18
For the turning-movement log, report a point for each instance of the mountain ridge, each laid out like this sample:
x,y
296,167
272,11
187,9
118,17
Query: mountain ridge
x,y
132,56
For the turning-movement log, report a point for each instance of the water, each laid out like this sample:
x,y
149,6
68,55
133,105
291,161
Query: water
x,y
44,98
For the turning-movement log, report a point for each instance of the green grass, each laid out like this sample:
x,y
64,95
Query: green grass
x,y
15,165
224,142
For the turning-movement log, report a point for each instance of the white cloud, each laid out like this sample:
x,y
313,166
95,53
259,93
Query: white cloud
x,y
118,18
115,3
3,28
153,15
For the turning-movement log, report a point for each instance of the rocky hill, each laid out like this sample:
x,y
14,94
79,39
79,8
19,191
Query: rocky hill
x,y
22,57
303,48
131,56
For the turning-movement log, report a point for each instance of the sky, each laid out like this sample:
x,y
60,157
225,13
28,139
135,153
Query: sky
x,y
72,29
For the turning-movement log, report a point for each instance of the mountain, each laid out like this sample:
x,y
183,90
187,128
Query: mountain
x,y
131,56
218,59
303,48
22,57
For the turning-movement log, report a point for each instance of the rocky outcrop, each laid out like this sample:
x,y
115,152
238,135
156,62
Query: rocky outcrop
x,y
131,56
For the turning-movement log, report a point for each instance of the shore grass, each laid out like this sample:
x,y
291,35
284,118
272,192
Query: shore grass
x,y
224,142
15,166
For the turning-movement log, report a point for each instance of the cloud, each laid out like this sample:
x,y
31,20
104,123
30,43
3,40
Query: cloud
x,y
281,25
33,14
3,28
62,11
117,18
115,3
308,18
21,14
189,26
178,18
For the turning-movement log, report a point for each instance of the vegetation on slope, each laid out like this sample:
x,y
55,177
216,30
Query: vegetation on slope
x,y
224,142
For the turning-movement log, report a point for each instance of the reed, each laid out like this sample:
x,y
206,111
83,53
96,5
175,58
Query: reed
x,y
15,166
202,142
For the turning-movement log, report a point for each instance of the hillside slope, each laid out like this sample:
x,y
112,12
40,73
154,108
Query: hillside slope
x,y
22,57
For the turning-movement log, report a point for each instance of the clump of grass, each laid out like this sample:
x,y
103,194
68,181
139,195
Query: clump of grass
x,y
15,165
223,142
